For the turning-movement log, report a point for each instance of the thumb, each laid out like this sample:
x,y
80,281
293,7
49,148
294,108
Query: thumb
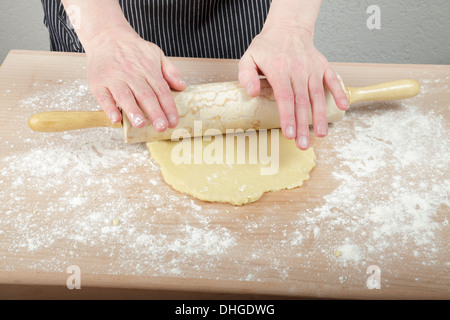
x,y
248,75
172,74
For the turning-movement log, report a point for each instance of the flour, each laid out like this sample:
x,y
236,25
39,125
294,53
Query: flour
x,y
79,170
399,157
350,253
83,181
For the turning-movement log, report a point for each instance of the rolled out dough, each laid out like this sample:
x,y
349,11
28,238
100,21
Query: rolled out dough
x,y
234,183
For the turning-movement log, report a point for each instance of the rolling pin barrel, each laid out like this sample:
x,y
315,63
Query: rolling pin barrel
x,y
222,106
219,107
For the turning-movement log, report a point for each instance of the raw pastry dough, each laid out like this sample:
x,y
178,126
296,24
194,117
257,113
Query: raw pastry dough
x,y
233,183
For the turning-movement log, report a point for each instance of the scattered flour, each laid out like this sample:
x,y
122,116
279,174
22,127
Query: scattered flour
x,y
78,193
350,252
81,182
400,158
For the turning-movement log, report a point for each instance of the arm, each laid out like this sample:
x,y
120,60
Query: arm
x,y
96,17
284,52
296,14
123,69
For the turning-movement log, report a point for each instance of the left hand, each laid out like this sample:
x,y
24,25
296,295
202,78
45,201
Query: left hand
x,y
297,72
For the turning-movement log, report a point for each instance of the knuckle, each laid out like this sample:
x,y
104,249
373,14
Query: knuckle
x,y
317,91
323,62
303,128
280,62
96,82
287,118
320,115
103,98
245,74
299,65
169,106
301,102
151,68
243,61
127,65
101,94
162,89
333,77
144,94
284,95
123,94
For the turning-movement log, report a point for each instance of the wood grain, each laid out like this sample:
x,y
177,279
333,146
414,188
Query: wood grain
x,y
310,269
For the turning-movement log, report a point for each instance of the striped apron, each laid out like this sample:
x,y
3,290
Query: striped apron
x,y
183,28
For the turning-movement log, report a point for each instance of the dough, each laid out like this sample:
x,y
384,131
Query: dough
x,y
234,182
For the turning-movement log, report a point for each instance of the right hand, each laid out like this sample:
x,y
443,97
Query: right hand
x,y
125,70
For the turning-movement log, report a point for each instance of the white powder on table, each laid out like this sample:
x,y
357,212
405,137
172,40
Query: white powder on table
x,y
393,177
391,199
77,178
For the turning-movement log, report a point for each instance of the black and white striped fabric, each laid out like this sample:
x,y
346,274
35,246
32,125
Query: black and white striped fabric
x,y
184,28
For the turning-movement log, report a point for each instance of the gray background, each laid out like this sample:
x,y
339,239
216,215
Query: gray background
x,y
412,31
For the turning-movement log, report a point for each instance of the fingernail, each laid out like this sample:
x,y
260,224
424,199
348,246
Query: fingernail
x,y
290,132
303,142
160,124
172,120
180,80
137,118
344,103
249,88
322,129
114,116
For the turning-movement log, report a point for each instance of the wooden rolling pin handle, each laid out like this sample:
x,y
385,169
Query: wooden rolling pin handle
x,y
392,90
59,121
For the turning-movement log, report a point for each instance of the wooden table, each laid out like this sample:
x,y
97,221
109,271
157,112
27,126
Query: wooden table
x,y
375,210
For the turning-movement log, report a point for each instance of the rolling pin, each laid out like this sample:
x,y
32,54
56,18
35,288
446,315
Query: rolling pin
x,y
220,106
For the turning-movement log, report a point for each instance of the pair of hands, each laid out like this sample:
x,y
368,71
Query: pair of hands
x,y
125,70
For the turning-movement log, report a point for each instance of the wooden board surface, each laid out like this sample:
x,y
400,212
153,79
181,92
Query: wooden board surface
x,y
378,199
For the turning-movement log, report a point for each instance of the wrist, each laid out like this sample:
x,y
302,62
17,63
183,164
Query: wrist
x,y
282,28
110,34
298,16
98,20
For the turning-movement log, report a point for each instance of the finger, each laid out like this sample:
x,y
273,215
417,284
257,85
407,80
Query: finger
x,y
333,84
318,105
165,99
284,97
171,74
248,75
124,97
302,111
106,101
149,104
